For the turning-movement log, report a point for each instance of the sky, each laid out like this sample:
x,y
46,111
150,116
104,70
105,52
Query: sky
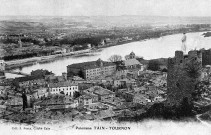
x,y
105,7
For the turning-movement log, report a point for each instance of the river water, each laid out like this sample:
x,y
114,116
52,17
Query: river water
x,y
163,47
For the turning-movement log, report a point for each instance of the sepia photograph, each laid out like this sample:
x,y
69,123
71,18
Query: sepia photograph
x,y
113,67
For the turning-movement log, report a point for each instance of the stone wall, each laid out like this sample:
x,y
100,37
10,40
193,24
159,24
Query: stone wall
x,y
180,82
206,57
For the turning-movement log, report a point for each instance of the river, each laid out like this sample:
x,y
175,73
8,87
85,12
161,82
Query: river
x,y
163,47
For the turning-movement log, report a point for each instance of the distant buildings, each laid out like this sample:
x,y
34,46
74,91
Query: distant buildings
x,y
40,93
91,70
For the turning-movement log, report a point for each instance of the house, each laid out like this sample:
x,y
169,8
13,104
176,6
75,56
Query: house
x,y
67,88
102,93
121,73
40,93
87,99
127,95
31,81
119,83
16,101
141,99
132,83
74,101
97,106
117,101
56,103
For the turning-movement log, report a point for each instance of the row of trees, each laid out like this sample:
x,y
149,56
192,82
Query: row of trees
x,y
28,55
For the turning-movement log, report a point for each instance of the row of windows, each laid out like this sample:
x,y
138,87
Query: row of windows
x,y
73,88
92,74
60,89
66,93
105,68
91,70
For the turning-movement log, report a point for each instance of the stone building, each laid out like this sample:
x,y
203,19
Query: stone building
x,y
91,70
184,72
131,62
132,55
206,57
68,88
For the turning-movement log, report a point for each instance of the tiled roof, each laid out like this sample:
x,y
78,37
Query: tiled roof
x,y
28,78
99,90
106,114
131,62
140,96
62,84
90,65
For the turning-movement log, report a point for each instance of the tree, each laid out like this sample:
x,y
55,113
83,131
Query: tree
x,y
164,70
154,65
41,72
81,74
186,107
76,94
115,58
193,68
200,88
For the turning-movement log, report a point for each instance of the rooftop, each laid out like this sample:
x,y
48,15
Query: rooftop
x,y
99,90
62,84
131,62
91,64
28,78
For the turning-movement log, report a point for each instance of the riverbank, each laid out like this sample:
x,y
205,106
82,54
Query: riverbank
x,y
15,64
